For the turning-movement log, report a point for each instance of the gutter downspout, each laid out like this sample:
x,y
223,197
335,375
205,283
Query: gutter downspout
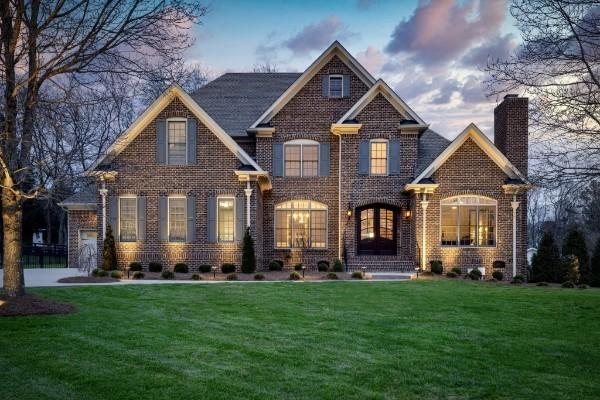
x,y
424,204
515,205
103,193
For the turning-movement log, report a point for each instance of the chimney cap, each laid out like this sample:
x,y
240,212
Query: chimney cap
x,y
511,96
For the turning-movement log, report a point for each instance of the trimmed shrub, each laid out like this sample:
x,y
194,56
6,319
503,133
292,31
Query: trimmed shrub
x,y
228,268
181,268
276,265
95,272
568,285
195,277
232,277
135,266
542,284
582,286
298,267
332,275
498,264
116,274
248,255
259,277
323,266
205,268
357,275
166,274
518,279
102,273
451,274
109,251
138,275
571,265
337,265
155,267
457,271
499,275
574,245
294,276
436,267
475,274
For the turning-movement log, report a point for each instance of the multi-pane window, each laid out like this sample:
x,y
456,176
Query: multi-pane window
x,y
301,159
379,157
177,219
226,219
468,221
127,219
336,86
301,224
176,142
376,230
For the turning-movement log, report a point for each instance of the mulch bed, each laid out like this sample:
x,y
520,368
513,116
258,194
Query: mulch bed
x,y
87,279
269,276
32,305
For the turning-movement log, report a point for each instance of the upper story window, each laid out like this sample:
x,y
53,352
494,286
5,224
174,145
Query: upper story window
x,y
336,86
176,141
468,221
177,219
225,219
127,219
378,156
301,224
301,158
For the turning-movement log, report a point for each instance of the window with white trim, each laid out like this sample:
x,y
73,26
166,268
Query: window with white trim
x,y
378,156
127,219
301,224
468,221
301,158
225,219
177,141
336,86
177,219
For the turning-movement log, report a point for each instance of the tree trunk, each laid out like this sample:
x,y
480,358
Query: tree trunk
x,y
12,218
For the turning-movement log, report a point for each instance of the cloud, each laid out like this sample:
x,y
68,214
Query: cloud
x,y
372,59
442,30
317,36
365,4
498,48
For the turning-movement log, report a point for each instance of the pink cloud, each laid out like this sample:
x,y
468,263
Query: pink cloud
x,y
372,59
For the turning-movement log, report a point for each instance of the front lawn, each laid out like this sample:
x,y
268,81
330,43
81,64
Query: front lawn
x,y
338,340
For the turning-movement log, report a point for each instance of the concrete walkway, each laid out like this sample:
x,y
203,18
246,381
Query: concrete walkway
x,y
48,277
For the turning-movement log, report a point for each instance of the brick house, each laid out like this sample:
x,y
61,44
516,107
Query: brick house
x,y
330,163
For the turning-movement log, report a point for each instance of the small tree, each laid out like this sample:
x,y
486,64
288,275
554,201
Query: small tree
x,y
109,251
571,265
595,279
546,264
574,244
248,255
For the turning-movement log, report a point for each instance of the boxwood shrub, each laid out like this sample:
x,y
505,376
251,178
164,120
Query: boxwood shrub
x,y
195,277
227,268
294,276
499,275
298,267
451,274
155,267
259,277
357,275
135,266
232,277
457,271
337,265
181,268
205,268
166,274
276,265
475,274
436,267
323,266
116,274
138,275
332,275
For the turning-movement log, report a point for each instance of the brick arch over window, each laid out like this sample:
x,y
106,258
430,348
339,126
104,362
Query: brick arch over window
x,y
399,203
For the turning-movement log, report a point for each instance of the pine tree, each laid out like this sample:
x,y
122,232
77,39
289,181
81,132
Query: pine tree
x,y
109,252
574,244
595,278
248,255
546,264
571,265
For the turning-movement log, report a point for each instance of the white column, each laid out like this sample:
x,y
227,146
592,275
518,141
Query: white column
x,y
424,204
515,205
103,194
248,192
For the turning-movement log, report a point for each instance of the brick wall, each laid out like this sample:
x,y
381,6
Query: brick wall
x,y
511,130
78,220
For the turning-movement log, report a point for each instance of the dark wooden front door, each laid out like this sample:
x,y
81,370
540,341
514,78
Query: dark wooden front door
x,y
376,230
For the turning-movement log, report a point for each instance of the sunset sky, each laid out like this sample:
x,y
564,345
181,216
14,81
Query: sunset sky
x,y
430,52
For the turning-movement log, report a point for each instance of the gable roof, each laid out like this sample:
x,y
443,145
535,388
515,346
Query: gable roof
x,y
336,49
235,100
429,146
174,91
85,198
380,87
473,132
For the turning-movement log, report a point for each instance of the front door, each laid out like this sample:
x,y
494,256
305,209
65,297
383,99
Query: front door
x,y
87,249
376,230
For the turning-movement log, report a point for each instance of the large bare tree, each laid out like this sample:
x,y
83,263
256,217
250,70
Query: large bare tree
x,y
558,66
45,44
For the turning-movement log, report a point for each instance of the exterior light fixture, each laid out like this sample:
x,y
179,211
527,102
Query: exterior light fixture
x,y
407,214
364,271
303,268
214,270
349,212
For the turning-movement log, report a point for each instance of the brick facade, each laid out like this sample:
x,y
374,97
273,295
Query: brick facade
x,y
79,220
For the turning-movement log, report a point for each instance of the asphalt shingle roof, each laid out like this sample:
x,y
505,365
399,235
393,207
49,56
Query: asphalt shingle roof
x,y
430,145
86,195
236,100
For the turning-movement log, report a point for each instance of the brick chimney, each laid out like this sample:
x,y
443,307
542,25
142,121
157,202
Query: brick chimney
x,y
511,122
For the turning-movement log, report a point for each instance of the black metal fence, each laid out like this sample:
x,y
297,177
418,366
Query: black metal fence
x,y
44,256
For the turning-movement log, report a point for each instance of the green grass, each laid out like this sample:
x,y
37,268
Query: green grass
x,y
338,340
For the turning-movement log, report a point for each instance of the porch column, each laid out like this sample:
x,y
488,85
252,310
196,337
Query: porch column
x,y
248,193
515,205
424,204
103,194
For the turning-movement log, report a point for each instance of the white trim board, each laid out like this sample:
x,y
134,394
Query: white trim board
x,y
381,87
473,132
174,91
336,49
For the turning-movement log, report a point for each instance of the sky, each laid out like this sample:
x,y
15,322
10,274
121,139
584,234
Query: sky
x,y
431,52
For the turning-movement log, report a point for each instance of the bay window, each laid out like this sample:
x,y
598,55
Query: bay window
x,y
468,221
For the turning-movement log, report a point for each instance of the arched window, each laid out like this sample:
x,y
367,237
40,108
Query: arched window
x,y
301,224
301,158
468,221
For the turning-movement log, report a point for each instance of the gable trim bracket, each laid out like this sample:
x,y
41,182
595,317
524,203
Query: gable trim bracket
x,y
345,129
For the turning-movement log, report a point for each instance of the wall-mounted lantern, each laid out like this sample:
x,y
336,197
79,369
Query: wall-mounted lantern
x,y
407,214
349,211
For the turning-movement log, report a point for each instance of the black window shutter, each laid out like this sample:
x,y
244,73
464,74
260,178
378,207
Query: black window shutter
x,y
324,159
161,141
163,229
113,215
141,218
191,141
277,159
239,218
363,158
211,217
191,219
394,157
346,82
325,83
